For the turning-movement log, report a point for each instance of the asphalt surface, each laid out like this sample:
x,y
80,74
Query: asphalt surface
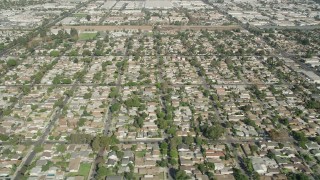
x,y
108,123
58,112
21,170
28,161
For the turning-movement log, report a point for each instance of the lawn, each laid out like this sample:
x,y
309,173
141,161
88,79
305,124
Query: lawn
x,y
83,170
140,153
79,15
87,36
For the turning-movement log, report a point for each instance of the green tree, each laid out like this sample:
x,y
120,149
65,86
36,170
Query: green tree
x,y
105,64
74,34
2,46
38,149
95,144
173,162
213,132
12,63
129,176
81,122
271,155
210,165
132,102
255,176
66,81
164,148
25,89
46,167
86,52
4,137
173,153
138,122
298,176
88,17
317,139
87,95
114,93
133,147
198,141
105,141
162,124
238,175
43,32
13,99
102,172
59,103
115,107
300,137
313,104
162,163
188,140
248,164
98,52
202,168
54,53
68,93
79,138
73,53
61,148
180,175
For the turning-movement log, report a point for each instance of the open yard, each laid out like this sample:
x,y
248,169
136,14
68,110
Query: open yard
x,y
83,170
140,153
87,36
79,15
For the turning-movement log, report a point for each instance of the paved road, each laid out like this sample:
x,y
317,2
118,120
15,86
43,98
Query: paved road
x,y
108,117
237,140
291,27
208,87
235,153
107,130
26,158
56,114
148,85
21,172
134,141
156,140
108,13
278,51
93,171
108,123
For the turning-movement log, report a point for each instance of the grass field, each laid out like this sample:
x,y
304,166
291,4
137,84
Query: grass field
x,y
140,153
83,170
87,36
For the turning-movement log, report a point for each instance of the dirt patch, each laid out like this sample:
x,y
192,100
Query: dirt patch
x,y
198,28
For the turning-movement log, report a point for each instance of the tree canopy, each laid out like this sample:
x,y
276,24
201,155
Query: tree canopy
x,y
12,63
212,132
